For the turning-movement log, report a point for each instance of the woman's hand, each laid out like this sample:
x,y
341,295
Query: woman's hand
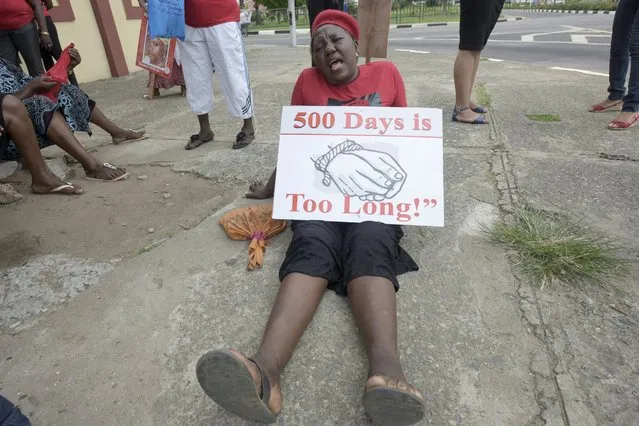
x,y
40,84
259,191
75,58
45,41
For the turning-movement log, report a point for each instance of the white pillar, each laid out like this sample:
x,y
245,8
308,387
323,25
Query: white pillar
x,y
291,22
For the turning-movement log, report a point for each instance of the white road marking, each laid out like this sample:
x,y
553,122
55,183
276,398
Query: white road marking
x,y
495,60
580,71
411,51
578,38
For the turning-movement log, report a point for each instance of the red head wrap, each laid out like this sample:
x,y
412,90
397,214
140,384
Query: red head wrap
x,y
339,18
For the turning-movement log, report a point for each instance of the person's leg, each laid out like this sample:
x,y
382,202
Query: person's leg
x,y
629,115
227,50
311,262
118,134
474,18
19,128
371,264
27,42
8,50
60,134
197,66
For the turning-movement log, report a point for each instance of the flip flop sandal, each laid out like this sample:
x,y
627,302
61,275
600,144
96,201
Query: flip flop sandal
x,y
125,140
195,141
243,139
624,125
61,188
602,108
227,381
479,120
111,167
388,406
479,109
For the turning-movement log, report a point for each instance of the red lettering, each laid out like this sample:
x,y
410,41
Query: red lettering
x,y
294,206
416,122
369,208
300,120
349,124
347,206
314,120
325,206
426,125
386,209
309,206
328,120
371,123
399,124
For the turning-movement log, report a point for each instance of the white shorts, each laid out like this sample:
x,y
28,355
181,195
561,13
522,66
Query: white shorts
x,y
223,46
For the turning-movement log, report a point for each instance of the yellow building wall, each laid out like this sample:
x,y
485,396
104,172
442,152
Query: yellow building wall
x,y
86,36
129,33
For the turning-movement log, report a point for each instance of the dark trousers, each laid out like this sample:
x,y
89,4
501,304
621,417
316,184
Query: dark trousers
x,y
10,415
53,55
317,6
624,51
26,41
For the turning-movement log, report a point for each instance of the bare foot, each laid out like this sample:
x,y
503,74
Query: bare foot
x,y
127,136
275,402
53,185
380,381
107,172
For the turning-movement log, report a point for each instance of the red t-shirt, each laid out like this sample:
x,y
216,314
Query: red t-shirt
x,y
15,14
206,13
378,84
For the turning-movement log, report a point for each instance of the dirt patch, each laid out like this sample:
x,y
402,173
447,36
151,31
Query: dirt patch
x,y
111,220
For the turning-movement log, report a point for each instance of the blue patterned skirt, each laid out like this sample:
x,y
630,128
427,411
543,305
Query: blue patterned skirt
x,y
73,104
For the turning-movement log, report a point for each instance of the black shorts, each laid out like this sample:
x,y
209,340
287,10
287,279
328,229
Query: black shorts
x,y
341,252
476,21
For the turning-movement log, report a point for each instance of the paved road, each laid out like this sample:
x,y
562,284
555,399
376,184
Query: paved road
x,y
553,40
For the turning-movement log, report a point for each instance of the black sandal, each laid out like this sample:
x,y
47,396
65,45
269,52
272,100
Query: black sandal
x,y
243,139
195,141
227,381
390,406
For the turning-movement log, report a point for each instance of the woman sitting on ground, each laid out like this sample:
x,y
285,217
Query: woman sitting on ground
x,y
357,260
73,107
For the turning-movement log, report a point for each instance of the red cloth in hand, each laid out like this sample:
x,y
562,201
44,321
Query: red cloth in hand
x,y
59,73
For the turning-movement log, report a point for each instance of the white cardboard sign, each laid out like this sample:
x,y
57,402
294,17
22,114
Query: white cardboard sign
x,y
358,164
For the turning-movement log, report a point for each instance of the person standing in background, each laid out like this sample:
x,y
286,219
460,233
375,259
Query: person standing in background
x,y
477,20
315,7
213,36
177,76
19,33
49,57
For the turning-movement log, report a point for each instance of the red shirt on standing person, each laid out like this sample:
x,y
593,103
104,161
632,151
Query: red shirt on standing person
x,y
378,84
15,14
206,13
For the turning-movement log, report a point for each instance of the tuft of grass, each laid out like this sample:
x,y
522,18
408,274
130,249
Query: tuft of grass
x,y
549,248
483,97
544,118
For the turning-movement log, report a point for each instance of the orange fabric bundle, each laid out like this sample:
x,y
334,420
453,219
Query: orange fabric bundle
x,y
60,73
256,224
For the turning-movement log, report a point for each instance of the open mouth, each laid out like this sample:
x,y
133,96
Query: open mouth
x,y
335,65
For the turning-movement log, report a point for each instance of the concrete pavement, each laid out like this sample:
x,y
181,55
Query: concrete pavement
x,y
485,346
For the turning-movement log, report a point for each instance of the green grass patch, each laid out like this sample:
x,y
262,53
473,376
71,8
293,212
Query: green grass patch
x,y
483,97
550,248
544,118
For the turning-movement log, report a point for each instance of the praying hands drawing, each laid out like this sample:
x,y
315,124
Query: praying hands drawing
x,y
359,172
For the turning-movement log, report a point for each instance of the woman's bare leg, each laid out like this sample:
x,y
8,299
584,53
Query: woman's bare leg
x,y
463,73
118,134
60,134
296,302
20,129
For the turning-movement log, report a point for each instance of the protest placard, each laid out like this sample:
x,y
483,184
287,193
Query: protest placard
x,y
374,20
155,55
357,164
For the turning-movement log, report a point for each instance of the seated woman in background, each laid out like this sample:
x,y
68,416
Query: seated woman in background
x,y
73,110
357,260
